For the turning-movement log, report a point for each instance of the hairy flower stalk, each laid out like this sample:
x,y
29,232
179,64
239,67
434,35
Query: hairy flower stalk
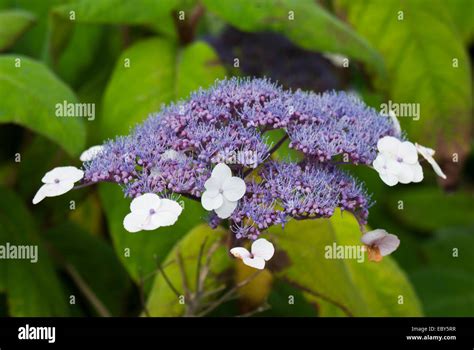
x,y
213,148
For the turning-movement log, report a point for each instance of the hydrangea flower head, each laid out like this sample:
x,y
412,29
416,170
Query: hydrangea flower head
x,y
214,148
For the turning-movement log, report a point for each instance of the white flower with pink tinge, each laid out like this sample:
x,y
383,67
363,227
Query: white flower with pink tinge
x,y
223,191
397,161
57,182
149,212
261,251
380,243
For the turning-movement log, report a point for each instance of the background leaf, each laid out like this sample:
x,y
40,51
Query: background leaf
x,y
13,23
159,72
33,289
419,52
93,260
29,95
358,289
331,35
418,205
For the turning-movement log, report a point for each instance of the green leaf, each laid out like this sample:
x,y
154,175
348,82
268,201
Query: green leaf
x,y
445,291
357,288
451,247
159,72
162,301
94,261
419,213
155,14
419,52
462,12
313,28
33,289
141,251
33,42
28,97
13,23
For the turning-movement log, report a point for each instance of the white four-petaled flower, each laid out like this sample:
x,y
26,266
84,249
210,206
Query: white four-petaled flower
x,y
261,251
380,243
397,161
57,182
428,154
91,153
222,191
148,212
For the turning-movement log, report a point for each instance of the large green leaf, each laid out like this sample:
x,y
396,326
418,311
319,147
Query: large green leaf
x,y
94,261
28,97
117,11
33,289
462,12
445,291
313,28
32,43
159,72
141,251
428,209
358,289
419,52
445,281
13,23
162,300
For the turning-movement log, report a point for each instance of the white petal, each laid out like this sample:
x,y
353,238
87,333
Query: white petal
x,y
39,196
212,186
379,163
371,237
405,173
234,188
240,253
417,171
395,122
389,179
133,222
221,172
407,151
145,202
167,214
226,209
210,202
392,166
57,189
91,153
428,154
388,244
170,154
388,145
256,262
263,248
69,173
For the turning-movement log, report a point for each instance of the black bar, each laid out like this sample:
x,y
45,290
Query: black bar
x,y
368,332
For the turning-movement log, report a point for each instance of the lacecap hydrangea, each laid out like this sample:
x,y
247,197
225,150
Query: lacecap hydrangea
x,y
214,148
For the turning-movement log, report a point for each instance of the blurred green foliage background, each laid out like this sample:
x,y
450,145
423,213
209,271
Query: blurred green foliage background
x,y
128,57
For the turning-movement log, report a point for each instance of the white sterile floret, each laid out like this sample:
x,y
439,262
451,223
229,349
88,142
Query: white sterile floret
x,y
149,212
380,243
397,161
428,154
261,251
57,182
223,191
91,153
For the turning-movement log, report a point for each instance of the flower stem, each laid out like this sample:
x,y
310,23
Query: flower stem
x,y
272,150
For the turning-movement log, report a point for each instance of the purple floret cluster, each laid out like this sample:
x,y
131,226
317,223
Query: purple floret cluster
x,y
175,150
